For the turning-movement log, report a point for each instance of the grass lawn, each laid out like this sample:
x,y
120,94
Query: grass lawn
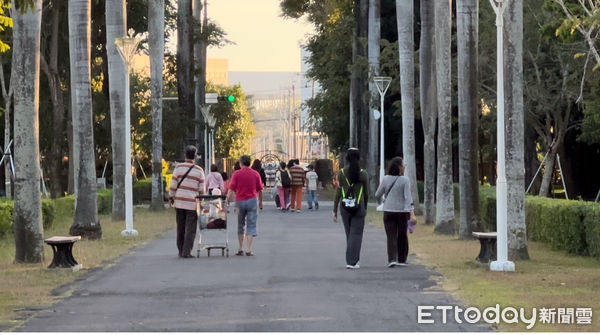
x,y
551,279
27,286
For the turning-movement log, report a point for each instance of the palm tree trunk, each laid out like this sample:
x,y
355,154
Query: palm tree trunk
x,y
200,71
85,222
428,93
7,96
116,26
156,40
406,47
468,136
374,36
184,64
50,69
515,130
360,103
354,84
548,171
28,228
444,221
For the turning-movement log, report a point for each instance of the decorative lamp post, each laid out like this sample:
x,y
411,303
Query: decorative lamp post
x,y
382,84
212,121
127,47
502,263
207,115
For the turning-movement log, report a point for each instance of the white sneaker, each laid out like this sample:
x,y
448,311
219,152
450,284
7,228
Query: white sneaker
x,y
353,266
401,264
391,264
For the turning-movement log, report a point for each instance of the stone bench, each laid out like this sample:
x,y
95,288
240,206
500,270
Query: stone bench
x,y
488,246
62,246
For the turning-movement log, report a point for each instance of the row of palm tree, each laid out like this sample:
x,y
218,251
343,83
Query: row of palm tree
x,y
27,18
436,105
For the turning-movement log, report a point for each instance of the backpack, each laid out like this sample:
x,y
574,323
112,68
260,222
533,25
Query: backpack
x,y
286,181
349,201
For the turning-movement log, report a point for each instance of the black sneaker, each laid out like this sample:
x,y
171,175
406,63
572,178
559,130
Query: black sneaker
x,y
316,206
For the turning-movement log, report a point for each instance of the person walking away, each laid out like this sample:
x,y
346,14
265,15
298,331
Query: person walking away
x,y
398,208
352,196
311,188
283,182
230,193
186,184
257,166
214,180
246,184
298,175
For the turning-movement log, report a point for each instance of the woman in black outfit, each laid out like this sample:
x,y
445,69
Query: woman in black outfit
x,y
257,166
352,194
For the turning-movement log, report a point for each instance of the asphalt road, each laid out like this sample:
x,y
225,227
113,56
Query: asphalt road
x,y
296,281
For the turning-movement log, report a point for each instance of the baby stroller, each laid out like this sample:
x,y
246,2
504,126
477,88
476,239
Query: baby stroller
x,y
212,221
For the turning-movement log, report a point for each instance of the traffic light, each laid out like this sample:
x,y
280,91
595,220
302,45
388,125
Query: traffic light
x,y
226,98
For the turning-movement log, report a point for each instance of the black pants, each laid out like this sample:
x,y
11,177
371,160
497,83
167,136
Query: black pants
x,y
397,240
187,221
354,225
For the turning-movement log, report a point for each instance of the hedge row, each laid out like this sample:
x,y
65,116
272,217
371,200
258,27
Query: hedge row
x,y
569,225
421,190
52,208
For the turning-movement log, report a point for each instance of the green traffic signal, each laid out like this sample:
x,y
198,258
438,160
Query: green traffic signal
x,y
231,98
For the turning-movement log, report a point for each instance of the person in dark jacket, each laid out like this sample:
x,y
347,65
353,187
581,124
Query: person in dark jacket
x,y
257,166
352,196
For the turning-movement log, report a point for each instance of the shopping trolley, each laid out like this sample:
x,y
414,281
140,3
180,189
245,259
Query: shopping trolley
x,y
212,221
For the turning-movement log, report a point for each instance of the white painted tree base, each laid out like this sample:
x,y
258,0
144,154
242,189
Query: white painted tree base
x,y
129,232
506,266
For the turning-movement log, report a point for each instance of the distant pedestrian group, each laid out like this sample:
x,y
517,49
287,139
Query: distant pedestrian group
x,y
246,187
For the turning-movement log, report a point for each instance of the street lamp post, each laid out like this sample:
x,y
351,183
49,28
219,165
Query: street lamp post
x,y
207,148
212,121
382,85
502,263
127,47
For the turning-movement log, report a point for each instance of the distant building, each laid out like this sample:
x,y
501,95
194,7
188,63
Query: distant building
x,y
217,71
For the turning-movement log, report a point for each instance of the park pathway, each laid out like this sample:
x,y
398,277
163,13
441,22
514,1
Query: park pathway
x,y
296,282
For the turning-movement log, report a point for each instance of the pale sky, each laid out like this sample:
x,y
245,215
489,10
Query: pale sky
x,y
265,41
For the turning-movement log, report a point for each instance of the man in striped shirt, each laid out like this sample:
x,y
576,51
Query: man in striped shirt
x,y
186,184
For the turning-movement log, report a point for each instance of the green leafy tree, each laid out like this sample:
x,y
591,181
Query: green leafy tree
x,y
234,127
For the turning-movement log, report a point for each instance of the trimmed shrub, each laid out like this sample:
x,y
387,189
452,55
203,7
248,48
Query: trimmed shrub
x,y
51,208
65,206
104,201
48,213
142,191
487,205
421,191
569,225
6,215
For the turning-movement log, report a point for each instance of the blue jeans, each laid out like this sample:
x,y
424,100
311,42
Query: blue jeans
x,y
247,214
311,197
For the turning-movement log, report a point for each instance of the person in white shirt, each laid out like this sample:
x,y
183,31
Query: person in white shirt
x,y
311,188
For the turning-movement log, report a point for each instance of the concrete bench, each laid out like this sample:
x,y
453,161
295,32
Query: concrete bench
x,y
488,246
62,246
